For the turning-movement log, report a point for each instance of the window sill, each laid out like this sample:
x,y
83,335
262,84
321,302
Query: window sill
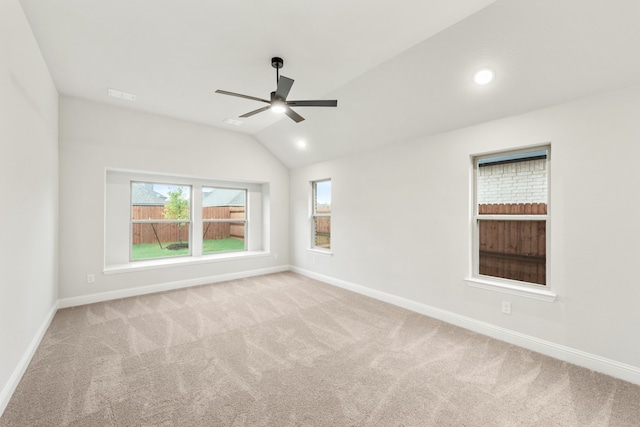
x,y
513,289
320,251
154,264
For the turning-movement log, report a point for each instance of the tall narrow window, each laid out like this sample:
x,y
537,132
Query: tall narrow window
x,y
160,220
321,226
224,219
511,214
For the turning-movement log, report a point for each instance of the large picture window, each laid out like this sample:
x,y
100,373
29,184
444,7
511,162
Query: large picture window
x,y
511,216
154,220
321,214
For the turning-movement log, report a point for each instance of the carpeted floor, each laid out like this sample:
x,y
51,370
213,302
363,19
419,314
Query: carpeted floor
x,y
285,350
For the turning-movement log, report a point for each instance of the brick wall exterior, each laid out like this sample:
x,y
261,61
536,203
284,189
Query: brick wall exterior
x,y
520,182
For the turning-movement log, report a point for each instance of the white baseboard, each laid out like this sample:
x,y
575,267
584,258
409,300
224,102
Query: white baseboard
x,y
18,372
167,286
577,357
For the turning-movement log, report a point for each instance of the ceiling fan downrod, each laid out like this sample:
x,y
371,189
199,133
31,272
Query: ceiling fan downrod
x,y
277,63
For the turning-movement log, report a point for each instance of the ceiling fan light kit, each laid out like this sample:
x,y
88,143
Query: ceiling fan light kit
x,y
278,100
277,106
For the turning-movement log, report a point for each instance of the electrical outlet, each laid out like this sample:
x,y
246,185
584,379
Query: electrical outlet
x,y
313,260
91,278
275,256
506,307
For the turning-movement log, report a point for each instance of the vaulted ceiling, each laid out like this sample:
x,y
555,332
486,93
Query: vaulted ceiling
x,y
399,69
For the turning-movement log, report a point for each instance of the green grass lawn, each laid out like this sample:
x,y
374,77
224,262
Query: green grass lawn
x,y
222,245
152,250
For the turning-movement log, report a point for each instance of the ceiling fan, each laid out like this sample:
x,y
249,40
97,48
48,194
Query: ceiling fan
x,y
278,102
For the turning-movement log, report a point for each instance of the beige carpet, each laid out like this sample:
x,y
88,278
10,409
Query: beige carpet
x,y
285,350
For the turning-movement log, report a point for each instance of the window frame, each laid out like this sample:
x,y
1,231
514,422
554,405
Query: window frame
x,y
494,283
316,215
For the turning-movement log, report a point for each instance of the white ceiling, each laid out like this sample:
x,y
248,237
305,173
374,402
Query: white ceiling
x,y
399,69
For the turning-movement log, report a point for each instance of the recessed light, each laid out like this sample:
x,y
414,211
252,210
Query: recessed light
x,y
120,94
484,76
233,122
302,144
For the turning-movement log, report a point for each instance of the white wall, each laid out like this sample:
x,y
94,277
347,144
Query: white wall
x,y
401,221
29,196
95,137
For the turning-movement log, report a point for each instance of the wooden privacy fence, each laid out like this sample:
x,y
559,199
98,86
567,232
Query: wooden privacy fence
x,y
513,249
173,232
223,230
323,223
322,237
513,209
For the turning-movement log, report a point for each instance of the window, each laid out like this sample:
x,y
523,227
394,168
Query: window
x,y
224,219
155,220
321,217
511,216
160,220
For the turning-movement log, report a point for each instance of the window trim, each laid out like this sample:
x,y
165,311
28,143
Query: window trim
x,y
315,214
516,288
180,261
492,283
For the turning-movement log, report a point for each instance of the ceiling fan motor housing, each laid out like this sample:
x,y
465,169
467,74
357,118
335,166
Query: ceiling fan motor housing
x,y
277,63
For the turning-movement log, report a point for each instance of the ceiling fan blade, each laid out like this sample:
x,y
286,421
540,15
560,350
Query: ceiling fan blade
x,y
284,86
259,110
317,103
224,92
293,115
